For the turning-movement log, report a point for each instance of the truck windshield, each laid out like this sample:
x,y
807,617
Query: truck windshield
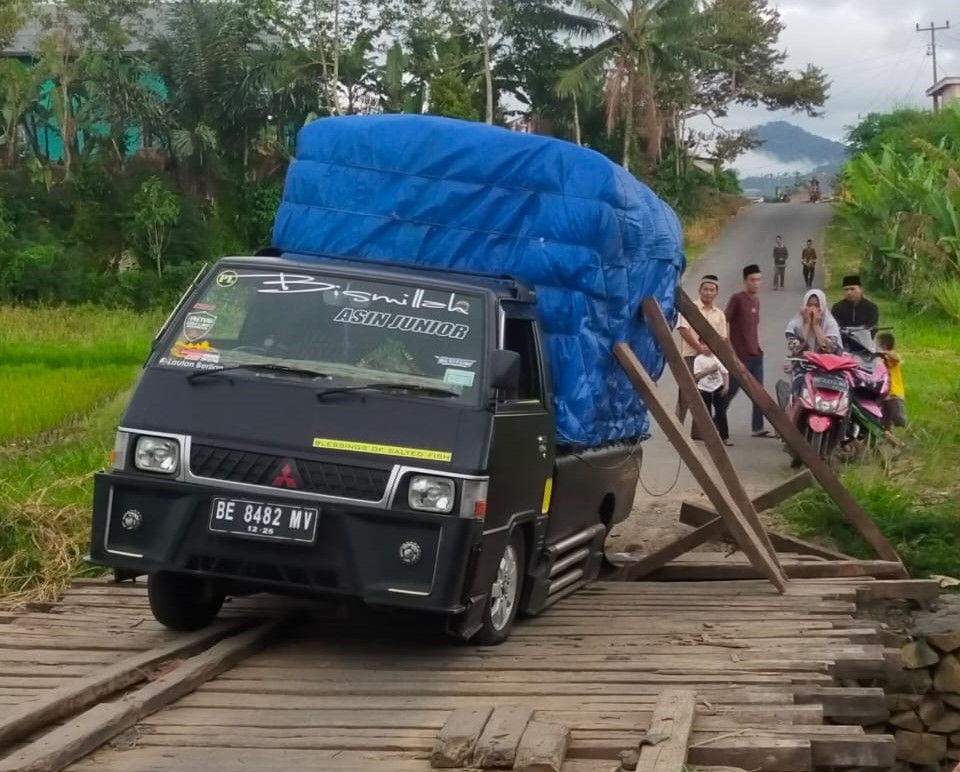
x,y
350,332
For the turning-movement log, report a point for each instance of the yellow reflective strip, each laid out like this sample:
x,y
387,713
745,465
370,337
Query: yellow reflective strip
x,y
547,495
382,450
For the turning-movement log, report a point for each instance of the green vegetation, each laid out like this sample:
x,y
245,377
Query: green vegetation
x,y
902,197
64,377
909,492
125,162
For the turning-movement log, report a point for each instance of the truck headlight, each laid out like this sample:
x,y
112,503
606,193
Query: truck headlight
x,y
157,454
431,494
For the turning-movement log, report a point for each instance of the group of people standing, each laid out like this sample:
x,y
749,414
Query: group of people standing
x,y
808,262
816,328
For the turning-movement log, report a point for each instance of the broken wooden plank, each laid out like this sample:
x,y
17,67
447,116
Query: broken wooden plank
x,y
78,737
500,738
653,316
746,537
458,737
920,590
665,749
820,469
543,747
82,692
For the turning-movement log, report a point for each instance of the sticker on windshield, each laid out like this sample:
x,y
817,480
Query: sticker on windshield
x,y
403,322
459,378
463,364
197,325
195,352
204,307
226,278
188,364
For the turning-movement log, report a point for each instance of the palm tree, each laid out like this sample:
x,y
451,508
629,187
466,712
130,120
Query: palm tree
x,y
639,39
17,90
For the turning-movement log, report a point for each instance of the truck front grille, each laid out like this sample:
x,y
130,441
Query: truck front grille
x,y
340,480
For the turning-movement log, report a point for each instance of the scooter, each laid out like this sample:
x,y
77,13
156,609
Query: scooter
x,y
818,402
870,384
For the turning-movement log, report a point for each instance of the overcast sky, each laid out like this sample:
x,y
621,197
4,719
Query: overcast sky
x,y
871,52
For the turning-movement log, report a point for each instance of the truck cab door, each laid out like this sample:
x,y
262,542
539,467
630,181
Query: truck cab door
x,y
522,450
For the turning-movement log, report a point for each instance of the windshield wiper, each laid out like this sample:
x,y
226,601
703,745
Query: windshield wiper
x,y
436,391
262,367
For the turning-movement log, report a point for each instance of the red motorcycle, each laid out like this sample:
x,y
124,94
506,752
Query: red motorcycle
x,y
818,400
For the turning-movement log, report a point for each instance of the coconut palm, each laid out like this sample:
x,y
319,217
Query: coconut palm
x,y
639,40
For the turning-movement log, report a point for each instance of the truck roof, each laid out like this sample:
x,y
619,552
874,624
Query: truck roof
x,y
504,287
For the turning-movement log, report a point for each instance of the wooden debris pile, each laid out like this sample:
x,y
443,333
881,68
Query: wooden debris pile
x,y
504,737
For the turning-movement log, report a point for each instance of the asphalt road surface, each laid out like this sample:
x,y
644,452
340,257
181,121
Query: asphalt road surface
x,y
761,462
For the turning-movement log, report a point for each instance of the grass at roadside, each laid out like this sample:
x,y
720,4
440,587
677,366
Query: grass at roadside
x,y
910,492
64,378
716,211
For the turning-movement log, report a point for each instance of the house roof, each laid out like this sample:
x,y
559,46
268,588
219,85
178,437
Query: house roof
x,y
47,16
942,85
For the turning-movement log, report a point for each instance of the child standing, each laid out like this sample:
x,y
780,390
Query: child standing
x,y
894,406
713,382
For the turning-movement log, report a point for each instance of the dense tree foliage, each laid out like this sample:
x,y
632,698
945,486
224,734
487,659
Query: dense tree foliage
x,y
202,99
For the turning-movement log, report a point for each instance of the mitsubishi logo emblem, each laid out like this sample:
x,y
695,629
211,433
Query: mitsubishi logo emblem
x,y
286,478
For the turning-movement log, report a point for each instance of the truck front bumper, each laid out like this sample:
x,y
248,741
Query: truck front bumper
x,y
357,552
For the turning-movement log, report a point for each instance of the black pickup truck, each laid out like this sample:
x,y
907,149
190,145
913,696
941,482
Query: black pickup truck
x,y
374,431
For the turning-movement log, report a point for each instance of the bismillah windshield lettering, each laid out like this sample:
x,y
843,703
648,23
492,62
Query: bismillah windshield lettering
x,y
296,283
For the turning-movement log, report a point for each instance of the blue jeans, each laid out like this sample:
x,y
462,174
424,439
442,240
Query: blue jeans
x,y
754,366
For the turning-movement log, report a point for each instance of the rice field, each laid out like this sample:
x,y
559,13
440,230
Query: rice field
x,y
65,375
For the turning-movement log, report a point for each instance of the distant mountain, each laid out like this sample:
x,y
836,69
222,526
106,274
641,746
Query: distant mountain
x,y
792,154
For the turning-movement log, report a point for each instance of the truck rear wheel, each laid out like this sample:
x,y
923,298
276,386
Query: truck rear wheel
x,y
182,601
504,597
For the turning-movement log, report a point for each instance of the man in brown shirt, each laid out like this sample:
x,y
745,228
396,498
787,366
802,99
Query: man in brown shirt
x,y
743,319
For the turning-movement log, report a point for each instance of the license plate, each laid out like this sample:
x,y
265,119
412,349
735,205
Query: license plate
x,y
831,384
259,520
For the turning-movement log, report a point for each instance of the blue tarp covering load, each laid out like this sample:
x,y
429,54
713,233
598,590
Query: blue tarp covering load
x,y
435,191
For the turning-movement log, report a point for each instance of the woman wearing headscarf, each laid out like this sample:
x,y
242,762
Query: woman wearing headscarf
x,y
814,329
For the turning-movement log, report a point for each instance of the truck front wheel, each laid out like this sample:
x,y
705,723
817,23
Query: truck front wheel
x,y
504,597
182,601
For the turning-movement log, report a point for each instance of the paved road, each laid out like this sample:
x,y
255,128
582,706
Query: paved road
x,y
761,462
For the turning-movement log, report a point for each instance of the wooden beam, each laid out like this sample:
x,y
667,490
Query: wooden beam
x,y
790,434
81,693
747,539
813,569
653,316
633,571
785,490
79,736
669,733
701,517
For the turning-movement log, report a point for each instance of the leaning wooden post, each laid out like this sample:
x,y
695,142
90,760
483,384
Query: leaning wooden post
x,y
653,315
791,435
748,541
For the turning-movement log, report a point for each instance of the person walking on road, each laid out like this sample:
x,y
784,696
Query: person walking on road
x,y
809,261
780,255
743,320
690,344
713,383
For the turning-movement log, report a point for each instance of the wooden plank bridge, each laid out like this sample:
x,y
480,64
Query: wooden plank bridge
x,y
93,683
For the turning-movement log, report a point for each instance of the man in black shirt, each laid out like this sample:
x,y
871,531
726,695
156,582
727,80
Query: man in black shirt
x,y
855,310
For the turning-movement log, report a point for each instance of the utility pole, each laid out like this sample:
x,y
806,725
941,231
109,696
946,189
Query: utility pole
x,y
933,30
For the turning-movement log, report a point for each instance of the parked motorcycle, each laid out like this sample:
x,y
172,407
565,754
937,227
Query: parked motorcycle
x,y
870,384
818,401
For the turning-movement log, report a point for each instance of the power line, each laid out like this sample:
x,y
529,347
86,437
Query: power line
x,y
932,29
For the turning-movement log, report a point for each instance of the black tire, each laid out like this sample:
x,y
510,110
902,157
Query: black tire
x,y
498,620
182,601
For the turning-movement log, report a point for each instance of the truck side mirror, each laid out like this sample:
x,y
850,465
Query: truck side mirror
x,y
505,370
